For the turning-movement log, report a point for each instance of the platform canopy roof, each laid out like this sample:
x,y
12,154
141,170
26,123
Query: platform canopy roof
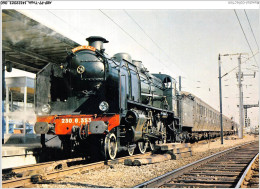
x,y
30,45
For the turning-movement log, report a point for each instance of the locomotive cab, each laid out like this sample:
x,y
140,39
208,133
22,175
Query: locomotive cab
x,y
169,90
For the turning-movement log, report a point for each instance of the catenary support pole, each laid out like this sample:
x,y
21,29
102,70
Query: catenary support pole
x,y
24,109
3,96
7,109
220,99
179,83
240,128
180,104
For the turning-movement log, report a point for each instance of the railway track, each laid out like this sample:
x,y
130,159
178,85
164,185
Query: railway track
x,y
220,170
250,178
24,176
31,169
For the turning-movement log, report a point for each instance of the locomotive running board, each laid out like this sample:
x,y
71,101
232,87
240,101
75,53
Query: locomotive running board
x,y
148,106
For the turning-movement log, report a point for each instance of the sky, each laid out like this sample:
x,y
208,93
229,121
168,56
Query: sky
x,y
179,42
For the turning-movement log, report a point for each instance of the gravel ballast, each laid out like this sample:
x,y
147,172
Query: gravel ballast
x,y
121,176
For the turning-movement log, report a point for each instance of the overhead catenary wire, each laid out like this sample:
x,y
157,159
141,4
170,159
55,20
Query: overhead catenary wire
x,y
122,30
245,35
251,29
142,29
132,38
199,84
227,73
119,27
146,34
250,57
241,63
73,27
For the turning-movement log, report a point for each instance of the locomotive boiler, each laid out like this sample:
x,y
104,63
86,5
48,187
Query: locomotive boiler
x,y
96,103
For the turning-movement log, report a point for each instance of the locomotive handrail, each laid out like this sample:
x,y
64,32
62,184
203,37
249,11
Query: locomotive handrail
x,y
147,106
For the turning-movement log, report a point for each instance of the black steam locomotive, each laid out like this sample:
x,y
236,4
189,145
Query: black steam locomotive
x,y
97,103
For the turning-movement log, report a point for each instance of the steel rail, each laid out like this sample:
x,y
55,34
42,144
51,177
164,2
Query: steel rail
x,y
241,180
31,167
155,182
25,181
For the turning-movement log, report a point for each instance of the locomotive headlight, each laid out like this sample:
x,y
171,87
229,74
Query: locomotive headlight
x,y
103,106
46,108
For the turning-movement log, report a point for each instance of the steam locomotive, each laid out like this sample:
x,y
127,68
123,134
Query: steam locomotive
x,y
96,103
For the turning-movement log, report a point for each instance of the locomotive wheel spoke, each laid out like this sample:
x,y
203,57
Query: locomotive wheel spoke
x,y
130,151
142,146
111,146
152,145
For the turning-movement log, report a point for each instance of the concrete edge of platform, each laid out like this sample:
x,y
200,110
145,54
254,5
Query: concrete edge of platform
x,y
29,144
21,139
21,151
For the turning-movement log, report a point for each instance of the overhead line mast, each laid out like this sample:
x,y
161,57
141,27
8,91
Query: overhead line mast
x,y
239,78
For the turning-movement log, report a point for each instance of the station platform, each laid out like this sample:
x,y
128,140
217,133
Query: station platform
x,y
19,150
21,139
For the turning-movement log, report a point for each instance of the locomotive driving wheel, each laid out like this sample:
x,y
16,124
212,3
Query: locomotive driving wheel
x,y
142,146
110,146
130,150
152,144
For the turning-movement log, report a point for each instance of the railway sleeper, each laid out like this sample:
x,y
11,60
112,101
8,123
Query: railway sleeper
x,y
254,181
247,153
231,162
245,156
231,174
201,180
38,178
186,185
212,178
221,167
216,169
227,165
254,186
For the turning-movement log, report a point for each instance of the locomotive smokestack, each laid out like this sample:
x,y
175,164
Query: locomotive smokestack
x,y
96,41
